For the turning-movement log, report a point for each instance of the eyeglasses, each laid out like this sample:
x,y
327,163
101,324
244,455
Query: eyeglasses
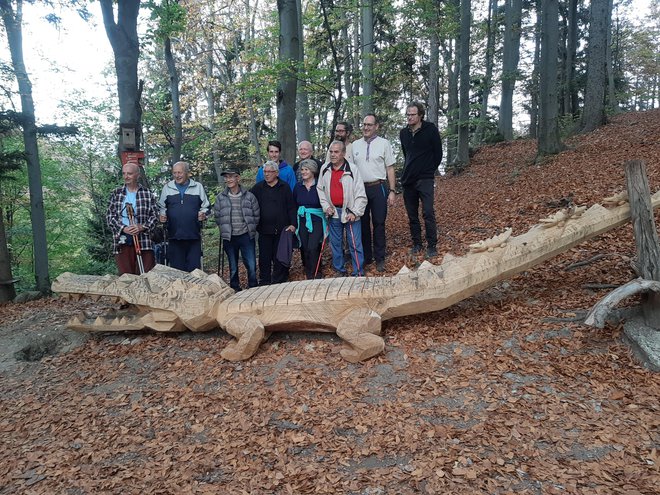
x,y
412,114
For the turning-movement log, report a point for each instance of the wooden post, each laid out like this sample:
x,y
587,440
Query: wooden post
x,y
646,236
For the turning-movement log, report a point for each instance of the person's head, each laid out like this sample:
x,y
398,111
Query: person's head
x,y
181,172
131,173
343,131
271,172
308,169
232,178
274,151
370,125
305,150
415,113
337,151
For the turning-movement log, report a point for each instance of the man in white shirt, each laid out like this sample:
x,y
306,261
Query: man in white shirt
x,y
373,156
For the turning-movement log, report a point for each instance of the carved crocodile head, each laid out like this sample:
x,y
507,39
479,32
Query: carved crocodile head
x,y
167,300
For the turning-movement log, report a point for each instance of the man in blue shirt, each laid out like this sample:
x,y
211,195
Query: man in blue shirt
x,y
285,172
183,205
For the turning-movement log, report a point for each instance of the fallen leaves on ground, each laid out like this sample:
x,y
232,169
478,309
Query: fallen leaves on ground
x,y
504,392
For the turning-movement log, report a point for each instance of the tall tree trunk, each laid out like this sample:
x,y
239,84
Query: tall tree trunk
x,y
463,158
176,106
612,102
12,19
7,292
289,54
593,115
534,83
434,67
210,110
123,38
485,85
335,60
452,105
548,138
367,56
303,132
570,88
510,57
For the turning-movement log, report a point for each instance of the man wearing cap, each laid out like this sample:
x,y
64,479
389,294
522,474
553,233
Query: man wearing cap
x,y
373,156
124,230
278,213
237,214
183,205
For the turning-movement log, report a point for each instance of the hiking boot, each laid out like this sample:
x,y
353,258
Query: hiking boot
x,y
380,266
416,249
431,252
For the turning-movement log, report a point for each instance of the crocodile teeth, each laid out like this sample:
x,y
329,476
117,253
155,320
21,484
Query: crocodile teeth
x,y
426,265
95,297
64,296
99,321
76,320
403,271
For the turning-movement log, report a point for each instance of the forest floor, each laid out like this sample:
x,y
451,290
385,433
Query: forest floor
x,y
505,392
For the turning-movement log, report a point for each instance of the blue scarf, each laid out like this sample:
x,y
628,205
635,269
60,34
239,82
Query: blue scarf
x,y
303,211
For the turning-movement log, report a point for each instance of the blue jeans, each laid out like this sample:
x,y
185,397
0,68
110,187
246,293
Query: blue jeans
x,y
245,246
354,237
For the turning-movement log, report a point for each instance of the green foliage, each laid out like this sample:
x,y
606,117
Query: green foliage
x,y
170,17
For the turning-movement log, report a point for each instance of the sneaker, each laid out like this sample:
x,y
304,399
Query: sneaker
x,y
380,266
416,249
431,252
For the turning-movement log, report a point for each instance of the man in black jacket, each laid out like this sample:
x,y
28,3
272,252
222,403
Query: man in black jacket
x,y
422,149
278,213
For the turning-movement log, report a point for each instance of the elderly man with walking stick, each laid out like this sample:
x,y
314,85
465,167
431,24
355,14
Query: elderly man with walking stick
x,y
132,214
343,199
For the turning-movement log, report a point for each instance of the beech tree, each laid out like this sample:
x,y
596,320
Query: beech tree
x,y
289,55
12,18
123,37
463,156
593,114
367,55
548,133
510,58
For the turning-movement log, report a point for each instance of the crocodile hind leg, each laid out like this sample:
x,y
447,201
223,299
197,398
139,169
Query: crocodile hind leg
x,y
361,330
249,333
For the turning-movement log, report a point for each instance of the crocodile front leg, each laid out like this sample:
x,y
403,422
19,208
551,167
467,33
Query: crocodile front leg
x,y
361,330
249,333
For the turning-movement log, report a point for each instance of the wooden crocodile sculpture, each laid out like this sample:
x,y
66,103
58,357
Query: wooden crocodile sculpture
x,y
168,300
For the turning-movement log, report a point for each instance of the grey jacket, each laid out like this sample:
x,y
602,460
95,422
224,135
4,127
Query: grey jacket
x,y
222,212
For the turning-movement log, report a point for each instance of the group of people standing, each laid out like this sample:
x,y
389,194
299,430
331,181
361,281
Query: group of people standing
x,y
344,199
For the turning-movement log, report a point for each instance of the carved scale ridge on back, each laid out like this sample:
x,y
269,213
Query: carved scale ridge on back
x,y
169,300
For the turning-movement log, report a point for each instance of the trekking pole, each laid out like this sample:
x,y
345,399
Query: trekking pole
x,y
221,259
136,240
357,261
318,262
201,244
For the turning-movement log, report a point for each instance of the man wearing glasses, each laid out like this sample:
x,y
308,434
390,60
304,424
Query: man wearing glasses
x,y
373,156
422,150
343,132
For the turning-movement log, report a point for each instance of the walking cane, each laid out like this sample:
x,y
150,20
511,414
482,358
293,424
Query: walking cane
x,y
221,260
201,244
318,262
357,261
136,241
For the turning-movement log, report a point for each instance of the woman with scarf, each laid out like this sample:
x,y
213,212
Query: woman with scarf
x,y
311,227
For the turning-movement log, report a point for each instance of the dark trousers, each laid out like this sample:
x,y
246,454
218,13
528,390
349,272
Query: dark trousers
x,y
421,190
374,214
244,245
185,254
271,271
127,260
310,248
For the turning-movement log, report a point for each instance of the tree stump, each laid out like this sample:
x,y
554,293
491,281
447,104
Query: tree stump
x,y
646,237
